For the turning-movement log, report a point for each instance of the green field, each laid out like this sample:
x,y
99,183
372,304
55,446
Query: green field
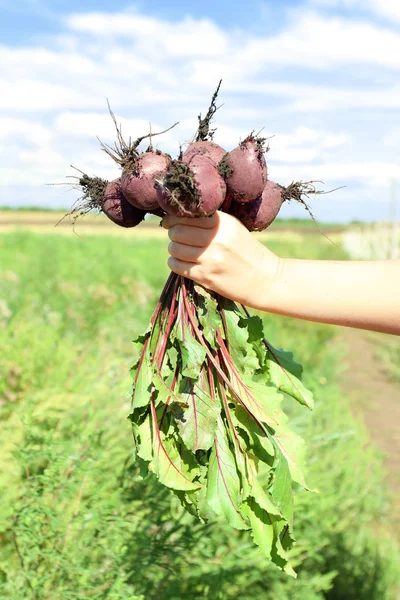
x,y
77,521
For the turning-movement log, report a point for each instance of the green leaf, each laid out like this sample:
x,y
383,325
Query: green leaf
x,y
255,327
223,489
285,373
164,388
237,336
143,436
281,487
279,555
261,400
172,355
193,354
141,339
143,383
293,449
262,526
259,441
208,315
264,499
268,531
197,423
169,461
189,500
143,468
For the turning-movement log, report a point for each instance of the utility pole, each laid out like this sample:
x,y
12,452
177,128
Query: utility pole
x,y
394,253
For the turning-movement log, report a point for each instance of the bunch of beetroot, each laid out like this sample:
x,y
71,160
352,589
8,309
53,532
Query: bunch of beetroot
x,y
206,410
203,179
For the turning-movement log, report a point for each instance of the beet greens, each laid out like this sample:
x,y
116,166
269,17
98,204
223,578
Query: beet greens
x,y
207,417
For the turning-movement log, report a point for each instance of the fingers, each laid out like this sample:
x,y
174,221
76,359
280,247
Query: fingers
x,y
185,253
191,236
198,222
185,269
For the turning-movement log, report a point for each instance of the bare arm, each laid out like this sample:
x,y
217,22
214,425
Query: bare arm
x,y
364,294
219,253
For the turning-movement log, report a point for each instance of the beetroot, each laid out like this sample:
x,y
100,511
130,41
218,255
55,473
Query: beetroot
x,y
260,213
197,191
245,170
210,149
117,208
138,185
104,196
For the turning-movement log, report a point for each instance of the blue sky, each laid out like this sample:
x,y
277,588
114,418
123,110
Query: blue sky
x,y
321,76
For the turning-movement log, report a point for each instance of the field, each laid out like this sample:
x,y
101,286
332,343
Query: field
x,y
77,521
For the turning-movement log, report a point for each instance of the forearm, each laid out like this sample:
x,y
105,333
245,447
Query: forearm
x,y
365,295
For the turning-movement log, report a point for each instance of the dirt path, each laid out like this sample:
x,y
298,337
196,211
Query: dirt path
x,y
377,399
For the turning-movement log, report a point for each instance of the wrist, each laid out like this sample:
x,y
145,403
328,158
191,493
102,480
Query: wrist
x,y
266,282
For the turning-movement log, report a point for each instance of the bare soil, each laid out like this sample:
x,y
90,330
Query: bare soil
x,y
377,400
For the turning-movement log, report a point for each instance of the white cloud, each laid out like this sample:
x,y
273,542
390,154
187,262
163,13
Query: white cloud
x,y
32,132
389,9
329,98
92,125
35,95
305,145
320,42
372,173
188,37
392,138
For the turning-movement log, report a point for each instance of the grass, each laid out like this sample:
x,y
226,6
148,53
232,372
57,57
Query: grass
x,y
388,353
76,520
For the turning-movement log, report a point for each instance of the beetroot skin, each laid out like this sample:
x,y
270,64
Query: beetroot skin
x,y
118,209
246,171
138,187
260,213
197,191
214,152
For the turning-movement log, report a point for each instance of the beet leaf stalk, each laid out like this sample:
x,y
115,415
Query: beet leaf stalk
x,y
207,415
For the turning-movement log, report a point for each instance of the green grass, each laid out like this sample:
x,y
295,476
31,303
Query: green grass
x,y
388,354
306,223
76,520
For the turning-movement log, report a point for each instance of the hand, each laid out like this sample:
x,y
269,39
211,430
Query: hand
x,y
219,253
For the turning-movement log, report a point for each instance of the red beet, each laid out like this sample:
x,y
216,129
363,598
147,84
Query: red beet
x,y
118,209
245,171
210,149
197,191
260,213
138,186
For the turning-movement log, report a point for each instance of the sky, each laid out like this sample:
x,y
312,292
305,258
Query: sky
x,y
320,78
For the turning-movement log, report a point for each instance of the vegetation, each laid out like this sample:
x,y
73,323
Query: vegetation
x,y
76,519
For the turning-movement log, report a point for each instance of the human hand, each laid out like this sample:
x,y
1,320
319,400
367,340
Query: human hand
x,y
219,253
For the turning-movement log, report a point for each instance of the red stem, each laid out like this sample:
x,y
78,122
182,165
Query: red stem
x,y
227,411
232,367
200,338
167,331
